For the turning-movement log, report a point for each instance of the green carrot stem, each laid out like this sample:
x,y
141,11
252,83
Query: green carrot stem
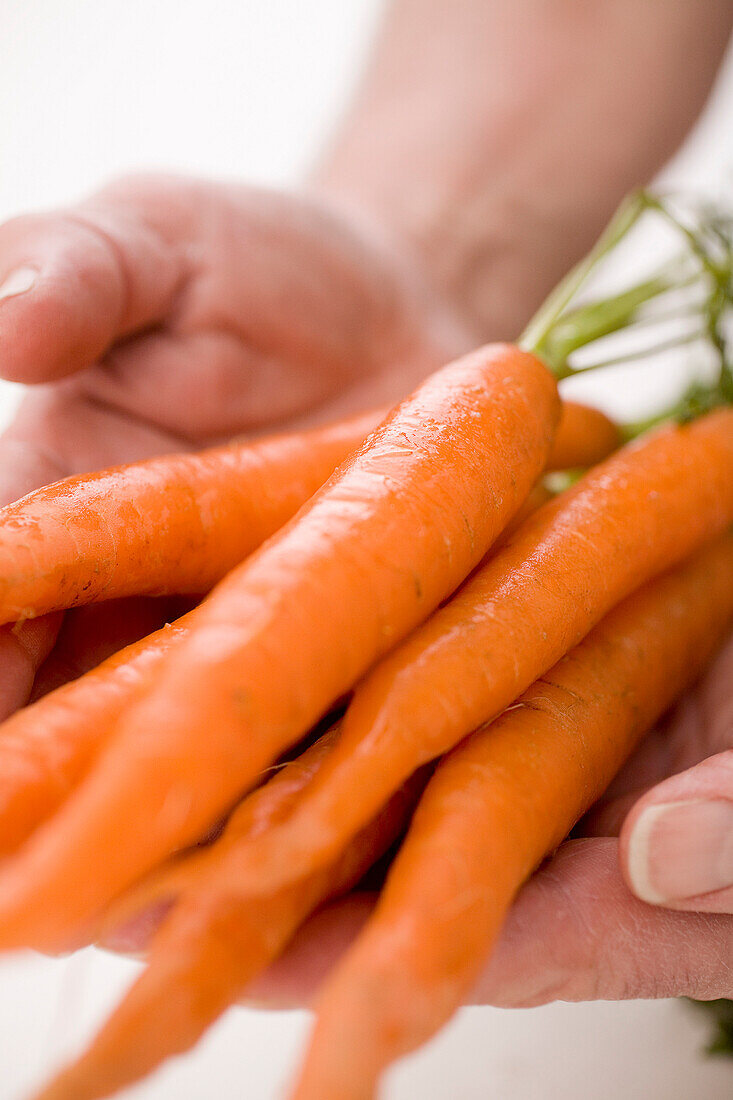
x,y
557,330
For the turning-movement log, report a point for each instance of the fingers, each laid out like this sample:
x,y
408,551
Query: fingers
x,y
293,980
73,282
23,648
677,843
203,386
58,431
91,634
576,933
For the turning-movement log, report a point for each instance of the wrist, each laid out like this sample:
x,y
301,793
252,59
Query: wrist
x,y
496,140
489,254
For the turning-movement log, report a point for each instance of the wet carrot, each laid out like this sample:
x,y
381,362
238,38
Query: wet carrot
x,y
46,750
286,634
169,525
179,523
630,518
494,808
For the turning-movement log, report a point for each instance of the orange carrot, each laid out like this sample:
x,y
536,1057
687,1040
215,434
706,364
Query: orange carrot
x,y
640,512
286,634
170,525
215,941
179,523
182,874
493,809
46,749
585,436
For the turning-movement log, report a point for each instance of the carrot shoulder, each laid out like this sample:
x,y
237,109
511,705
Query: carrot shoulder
x,y
371,555
175,524
494,808
640,512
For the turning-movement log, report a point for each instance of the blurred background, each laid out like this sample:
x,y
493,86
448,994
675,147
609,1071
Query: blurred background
x,y
248,89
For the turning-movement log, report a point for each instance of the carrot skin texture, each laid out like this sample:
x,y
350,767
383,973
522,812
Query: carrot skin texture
x,y
637,514
216,941
46,748
170,525
585,436
177,524
288,632
500,802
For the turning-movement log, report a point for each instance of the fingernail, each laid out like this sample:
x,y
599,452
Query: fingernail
x,y
18,282
679,850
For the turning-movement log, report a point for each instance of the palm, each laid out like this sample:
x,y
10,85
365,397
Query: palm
x,y
171,314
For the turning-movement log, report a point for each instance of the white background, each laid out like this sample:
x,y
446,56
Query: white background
x,y
92,88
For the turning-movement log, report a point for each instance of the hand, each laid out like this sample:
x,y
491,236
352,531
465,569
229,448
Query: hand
x,y
164,314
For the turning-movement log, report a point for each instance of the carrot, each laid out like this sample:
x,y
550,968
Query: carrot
x,y
585,436
640,512
45,751
286,634
494,808
216,941
180,876
169,525
179,523
47,748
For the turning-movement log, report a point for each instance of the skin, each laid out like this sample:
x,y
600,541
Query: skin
x,y
423,230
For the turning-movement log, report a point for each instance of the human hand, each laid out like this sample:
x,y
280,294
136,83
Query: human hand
x,y
164,314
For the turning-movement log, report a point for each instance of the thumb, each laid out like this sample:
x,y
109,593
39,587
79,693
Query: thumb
x,y
677,842
575,933
74,282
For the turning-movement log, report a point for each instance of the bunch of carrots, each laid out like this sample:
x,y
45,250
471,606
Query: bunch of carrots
x,y
391,635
